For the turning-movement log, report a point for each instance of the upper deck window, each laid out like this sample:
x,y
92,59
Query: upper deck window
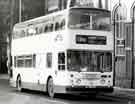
x,y
81,3
89,19
19,33
104,4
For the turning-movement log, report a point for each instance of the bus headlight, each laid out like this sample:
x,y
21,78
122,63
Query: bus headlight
x,y
71,75
72,82
109,83
109,76
78,81
102,81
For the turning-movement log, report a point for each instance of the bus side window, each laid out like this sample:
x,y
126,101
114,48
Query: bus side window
x,y
22,33
28,33
27,61
62,24
57,27
14,34
40,30
20,62
50,27
25,33
36,30
61,61
49,60
46,28
34,60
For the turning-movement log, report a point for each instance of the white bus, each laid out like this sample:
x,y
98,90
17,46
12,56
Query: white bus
x,y
68,51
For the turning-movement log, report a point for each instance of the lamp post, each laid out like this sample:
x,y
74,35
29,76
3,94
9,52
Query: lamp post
x,y
9,38
20,10
132,17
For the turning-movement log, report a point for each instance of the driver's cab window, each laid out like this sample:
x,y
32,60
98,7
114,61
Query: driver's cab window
x,y
61,61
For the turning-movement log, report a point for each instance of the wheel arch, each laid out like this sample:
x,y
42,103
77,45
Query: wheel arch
x,y
47,81
18,75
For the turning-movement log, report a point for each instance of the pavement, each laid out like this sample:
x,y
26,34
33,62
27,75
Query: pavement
x,y
118,92
123,93
4,76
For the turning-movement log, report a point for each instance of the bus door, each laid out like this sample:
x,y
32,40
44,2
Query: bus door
x,y
45,68
41,69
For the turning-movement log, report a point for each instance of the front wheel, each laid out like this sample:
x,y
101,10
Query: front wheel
x,y
50,88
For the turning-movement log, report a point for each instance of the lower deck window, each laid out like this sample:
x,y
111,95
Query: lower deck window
x,y
20,63
49,60
26,61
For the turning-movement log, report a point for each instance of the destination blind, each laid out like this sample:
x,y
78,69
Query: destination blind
x,y
92,39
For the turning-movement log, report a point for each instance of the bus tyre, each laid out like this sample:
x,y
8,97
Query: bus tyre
x,y
50,88
19,84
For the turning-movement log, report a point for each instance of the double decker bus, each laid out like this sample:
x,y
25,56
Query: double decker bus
x,y
68,51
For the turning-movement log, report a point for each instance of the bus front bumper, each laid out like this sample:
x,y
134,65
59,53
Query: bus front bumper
x,y
83,89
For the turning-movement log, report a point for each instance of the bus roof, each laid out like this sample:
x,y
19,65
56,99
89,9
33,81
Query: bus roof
x,y
29,22
41,18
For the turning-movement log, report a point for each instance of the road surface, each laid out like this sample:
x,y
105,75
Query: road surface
x,y
10,95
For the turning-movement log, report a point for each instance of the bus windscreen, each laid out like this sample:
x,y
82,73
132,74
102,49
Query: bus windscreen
x,y
89,61
103,4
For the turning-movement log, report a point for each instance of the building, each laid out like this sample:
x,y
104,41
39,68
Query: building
x,y
9,15
124,42
4,30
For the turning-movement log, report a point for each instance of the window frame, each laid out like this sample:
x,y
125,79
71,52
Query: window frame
x,y
61,64
24,59
49,59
